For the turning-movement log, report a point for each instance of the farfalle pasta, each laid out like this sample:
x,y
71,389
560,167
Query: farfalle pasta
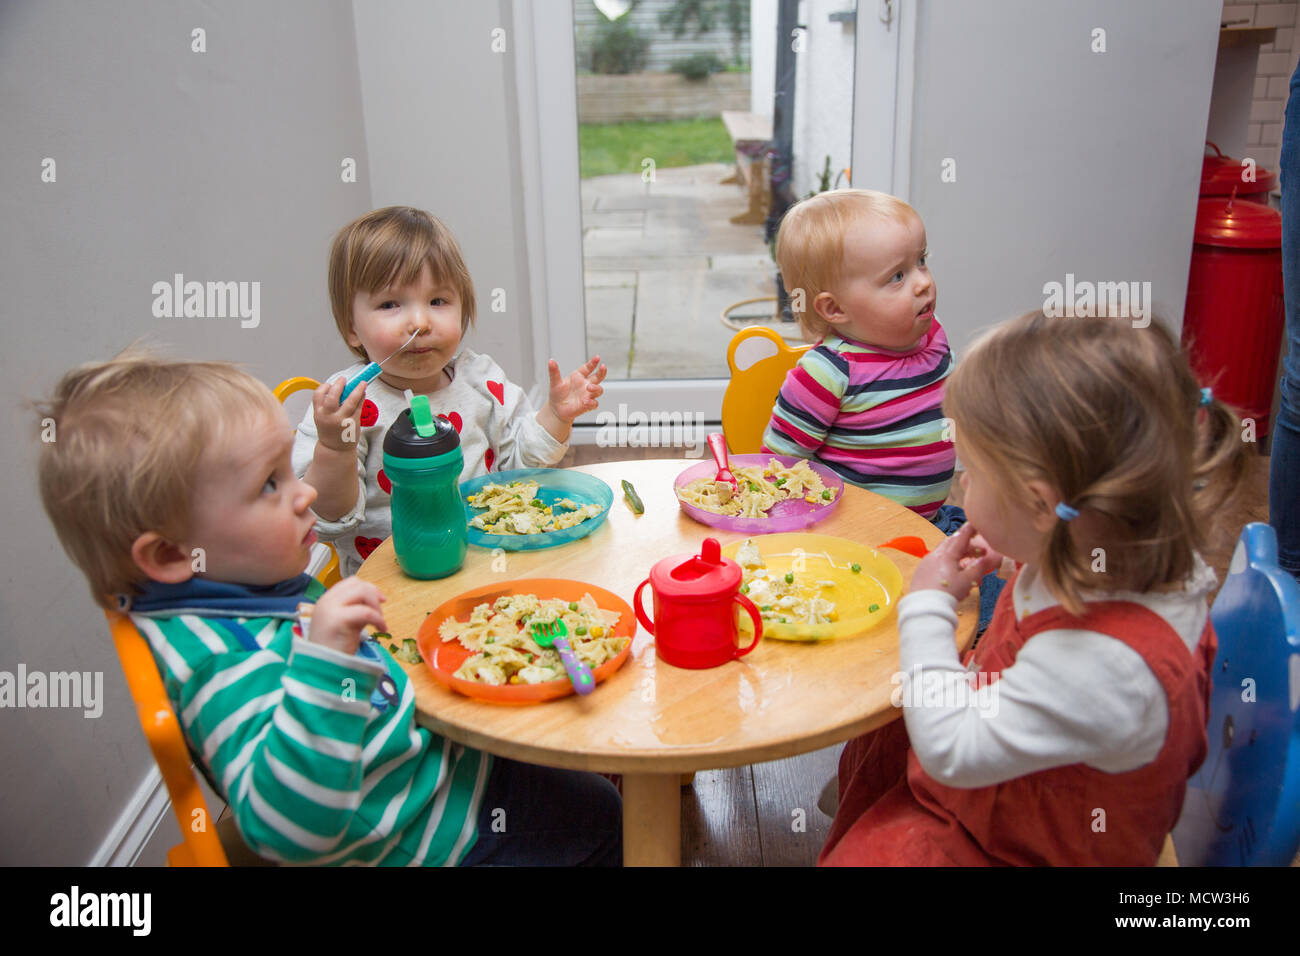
x,y
758,490
501,635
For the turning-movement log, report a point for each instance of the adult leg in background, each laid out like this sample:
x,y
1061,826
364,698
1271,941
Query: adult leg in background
x,y
1284,466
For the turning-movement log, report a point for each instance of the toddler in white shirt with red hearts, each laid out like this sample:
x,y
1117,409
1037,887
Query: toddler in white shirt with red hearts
x,y
394,273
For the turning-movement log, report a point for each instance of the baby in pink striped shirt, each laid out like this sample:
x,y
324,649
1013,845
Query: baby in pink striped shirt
x,y
866,401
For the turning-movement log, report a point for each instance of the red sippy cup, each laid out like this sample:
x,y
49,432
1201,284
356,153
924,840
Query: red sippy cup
x,y
695,598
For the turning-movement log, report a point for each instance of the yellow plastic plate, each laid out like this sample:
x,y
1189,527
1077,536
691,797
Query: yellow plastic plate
x,y
824,557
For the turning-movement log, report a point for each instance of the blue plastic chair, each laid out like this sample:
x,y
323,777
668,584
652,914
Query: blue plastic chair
x,y
1243,805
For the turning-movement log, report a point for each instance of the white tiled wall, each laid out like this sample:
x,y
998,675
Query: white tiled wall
x,y
1277,61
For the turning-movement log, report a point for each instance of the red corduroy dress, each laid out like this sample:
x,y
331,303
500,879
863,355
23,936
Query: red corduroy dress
x,y
892,813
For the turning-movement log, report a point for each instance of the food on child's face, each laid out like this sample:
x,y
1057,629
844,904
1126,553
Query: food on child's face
x,y
790,598
758,490
501,634
516,509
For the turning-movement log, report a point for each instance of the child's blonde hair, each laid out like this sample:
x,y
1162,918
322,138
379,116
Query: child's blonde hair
x,y
1112,417
810,244
127,437
391,245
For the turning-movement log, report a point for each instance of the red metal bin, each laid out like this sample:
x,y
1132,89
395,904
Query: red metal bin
x,y
1220,175
1232,325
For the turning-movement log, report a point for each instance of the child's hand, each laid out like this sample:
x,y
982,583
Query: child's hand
x,y
331,417
956,565
341,613
572,396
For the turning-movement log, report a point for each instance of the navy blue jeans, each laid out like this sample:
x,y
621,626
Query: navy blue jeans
x,y
539,816
1284,468
948,519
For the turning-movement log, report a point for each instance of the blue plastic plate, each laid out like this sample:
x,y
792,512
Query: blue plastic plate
x,y
556,483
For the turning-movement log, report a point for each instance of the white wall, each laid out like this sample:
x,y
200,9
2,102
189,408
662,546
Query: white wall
x,y
1067,160
441,128
222,165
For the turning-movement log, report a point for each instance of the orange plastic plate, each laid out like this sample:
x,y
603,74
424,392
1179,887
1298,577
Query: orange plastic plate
x,y
444,659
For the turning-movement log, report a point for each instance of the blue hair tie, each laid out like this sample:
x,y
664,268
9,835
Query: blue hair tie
x,y
1206,395
1065,512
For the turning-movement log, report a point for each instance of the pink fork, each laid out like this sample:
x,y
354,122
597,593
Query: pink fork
x,y
718,445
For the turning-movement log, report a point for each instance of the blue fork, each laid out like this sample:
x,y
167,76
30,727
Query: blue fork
x,y
554,632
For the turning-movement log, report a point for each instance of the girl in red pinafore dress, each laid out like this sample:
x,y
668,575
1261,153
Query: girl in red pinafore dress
x,y
1095,461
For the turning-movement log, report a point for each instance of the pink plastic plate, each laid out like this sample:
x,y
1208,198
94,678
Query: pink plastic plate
x,y
793,515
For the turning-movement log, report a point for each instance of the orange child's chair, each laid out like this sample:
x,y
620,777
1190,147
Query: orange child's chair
x,y
202,847
325,560
759,360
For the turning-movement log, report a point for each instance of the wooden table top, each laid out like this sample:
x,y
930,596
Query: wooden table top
x,y
782,699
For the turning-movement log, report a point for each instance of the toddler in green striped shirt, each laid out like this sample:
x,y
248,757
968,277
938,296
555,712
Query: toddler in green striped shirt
x,y
170,486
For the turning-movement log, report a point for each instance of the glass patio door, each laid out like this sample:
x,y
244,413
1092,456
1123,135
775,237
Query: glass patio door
x,y
670,136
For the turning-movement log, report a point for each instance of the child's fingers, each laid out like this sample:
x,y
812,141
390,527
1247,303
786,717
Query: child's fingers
x,y
957,543
553,370
600,375
349,407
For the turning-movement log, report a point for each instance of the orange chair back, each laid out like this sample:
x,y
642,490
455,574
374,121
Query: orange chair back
x,y
163,732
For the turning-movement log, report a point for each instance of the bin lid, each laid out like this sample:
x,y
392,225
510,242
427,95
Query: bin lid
x,y
1238,223
1220,173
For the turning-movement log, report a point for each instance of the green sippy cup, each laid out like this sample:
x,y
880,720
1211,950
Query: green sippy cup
x,y
423,461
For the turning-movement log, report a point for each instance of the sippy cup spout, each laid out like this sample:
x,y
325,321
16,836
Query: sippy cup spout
x,y
711,553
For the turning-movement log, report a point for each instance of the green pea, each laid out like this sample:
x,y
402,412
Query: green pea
x,y
855,568
780,481
753,487
874,608
826,495
580,631
766,607
573,605
781,620
744,589
789,579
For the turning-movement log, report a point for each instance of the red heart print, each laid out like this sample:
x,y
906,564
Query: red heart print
x,y
384,482
366,545
369,413
488,458
498,389
454,418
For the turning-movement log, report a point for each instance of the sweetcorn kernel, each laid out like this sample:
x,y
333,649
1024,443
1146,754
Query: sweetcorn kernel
x,y
597,631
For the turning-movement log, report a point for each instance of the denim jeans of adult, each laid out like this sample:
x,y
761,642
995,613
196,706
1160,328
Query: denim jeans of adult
x,y
1284,470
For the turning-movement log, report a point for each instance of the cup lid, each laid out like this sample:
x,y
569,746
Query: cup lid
x,y
704,575
416,433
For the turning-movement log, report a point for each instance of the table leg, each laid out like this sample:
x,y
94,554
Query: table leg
x,y
652,819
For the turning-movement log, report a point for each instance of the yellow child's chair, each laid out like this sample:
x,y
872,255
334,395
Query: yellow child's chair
x,y
324,557
751,393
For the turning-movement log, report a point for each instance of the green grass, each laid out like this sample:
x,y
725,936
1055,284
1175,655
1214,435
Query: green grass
x,y
620,147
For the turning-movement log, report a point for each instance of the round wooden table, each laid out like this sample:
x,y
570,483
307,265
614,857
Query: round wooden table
x,y
651,721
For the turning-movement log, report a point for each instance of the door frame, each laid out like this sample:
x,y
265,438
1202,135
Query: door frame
x,y
546,85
